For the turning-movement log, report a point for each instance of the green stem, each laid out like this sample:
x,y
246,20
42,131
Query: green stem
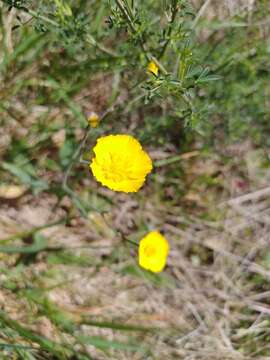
x,y
126,15
124,238
143,45
129,10
75,158
62,352
89,38
26,234
174,13
132,242
35,15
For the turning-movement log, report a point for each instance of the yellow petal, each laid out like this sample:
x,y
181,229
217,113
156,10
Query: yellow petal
x,y
153,68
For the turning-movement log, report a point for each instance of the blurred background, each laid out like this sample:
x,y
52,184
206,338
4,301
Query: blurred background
x,y
70,285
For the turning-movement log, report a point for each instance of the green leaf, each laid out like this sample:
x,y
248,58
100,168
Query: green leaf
x,y
40,243
66,152
208,78
161,279
267,260
25,177
68,258
14,346
15,170
61,352
26,44
117,326
104,344
63,95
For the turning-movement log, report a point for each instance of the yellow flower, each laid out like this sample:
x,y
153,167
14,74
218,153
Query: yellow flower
x,y
120,163
153,252
93,119
152,68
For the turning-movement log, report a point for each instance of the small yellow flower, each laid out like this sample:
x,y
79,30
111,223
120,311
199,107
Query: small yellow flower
x,y
120,163
93,119
153,252
152,68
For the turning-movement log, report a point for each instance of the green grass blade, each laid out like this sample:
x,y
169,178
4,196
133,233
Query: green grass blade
x,y
14,346
104,344
62,352
27,43
40,243
117,326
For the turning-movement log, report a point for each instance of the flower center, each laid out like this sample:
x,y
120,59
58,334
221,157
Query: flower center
x,y
150,251
116,169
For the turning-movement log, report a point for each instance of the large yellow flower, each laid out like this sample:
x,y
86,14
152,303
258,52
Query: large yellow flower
x,y
120,163
153,252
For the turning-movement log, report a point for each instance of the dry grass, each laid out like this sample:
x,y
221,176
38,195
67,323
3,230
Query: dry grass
x,y
213,301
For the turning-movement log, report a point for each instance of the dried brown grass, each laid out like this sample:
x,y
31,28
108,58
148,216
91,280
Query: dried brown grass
x,y
215,301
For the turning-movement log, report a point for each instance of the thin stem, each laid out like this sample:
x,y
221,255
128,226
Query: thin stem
x,y
174,13
159,65
200,13
25,234
89,38
35,15
126,15
173,159
143,45
76,156
125,239
131,242
129,10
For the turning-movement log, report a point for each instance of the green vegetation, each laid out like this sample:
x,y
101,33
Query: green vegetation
x,y
70,286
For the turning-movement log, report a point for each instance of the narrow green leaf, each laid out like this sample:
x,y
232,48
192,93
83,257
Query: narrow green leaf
x,y
14,346
17,171
104,344
117,326
26,44
161,279
40,243
62,352
25,177
208,78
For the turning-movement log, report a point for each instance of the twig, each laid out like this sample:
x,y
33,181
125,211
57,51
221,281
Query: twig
x,y
200,13
175,158
148,55
252,266
174,13
250,196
